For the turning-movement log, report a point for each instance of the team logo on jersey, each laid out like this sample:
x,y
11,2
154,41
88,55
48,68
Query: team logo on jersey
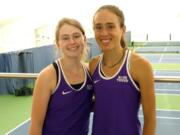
x,y
66,92
122,79
89,86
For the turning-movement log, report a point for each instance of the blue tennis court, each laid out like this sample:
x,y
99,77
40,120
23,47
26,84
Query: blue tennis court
x,y
162,58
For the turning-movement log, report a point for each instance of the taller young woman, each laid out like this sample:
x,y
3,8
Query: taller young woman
x,y
63,90
123,80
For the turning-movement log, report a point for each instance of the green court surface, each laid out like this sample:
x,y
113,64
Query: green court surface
x,y
168,101
13,111
166,66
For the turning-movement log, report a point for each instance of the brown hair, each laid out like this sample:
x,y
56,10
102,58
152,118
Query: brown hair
x,y
76,24
119,13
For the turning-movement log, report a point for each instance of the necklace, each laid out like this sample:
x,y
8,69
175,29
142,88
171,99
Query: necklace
x,y
113,65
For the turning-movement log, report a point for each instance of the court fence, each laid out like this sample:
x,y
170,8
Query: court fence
x,y
28,89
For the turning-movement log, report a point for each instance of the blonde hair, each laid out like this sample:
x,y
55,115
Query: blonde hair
x,y
76,24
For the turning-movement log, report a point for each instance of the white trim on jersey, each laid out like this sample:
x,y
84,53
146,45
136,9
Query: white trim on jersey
x,y
85,79
59,75
101,70
128,68
87,71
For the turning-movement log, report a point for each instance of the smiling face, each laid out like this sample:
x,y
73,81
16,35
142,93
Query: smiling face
x,y
71,41
108,30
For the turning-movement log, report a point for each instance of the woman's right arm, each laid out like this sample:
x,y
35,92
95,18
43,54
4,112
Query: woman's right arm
x,y
41,95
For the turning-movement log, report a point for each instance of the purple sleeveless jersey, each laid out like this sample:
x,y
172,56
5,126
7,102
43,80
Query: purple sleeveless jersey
x,y
69,109
117,102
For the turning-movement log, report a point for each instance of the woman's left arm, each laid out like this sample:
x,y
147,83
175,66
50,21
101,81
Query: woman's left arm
x,y
144,76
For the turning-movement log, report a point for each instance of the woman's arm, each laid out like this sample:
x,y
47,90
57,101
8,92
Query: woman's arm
x,y
143,74
41,95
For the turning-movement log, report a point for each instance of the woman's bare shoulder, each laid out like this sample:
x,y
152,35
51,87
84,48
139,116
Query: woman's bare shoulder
x,y
47,77
139,67
93,63
137,60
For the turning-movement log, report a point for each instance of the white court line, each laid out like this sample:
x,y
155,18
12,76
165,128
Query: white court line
x,y
17,126
166,94
171,90
161,71
167,110
165,49
160,59
160,117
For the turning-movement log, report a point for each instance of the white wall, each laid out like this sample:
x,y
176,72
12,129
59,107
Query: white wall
x,y
22,33
16,35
